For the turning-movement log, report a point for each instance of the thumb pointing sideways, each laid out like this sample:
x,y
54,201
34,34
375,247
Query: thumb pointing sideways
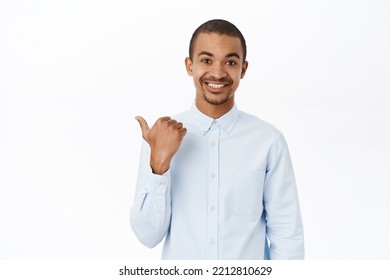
x,y
144,126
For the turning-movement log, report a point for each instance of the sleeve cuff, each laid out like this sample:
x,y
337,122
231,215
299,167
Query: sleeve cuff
x,y
157,184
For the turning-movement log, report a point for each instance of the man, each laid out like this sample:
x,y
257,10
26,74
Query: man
x,y
216,182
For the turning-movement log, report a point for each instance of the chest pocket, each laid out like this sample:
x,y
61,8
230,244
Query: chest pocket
x,y
246,197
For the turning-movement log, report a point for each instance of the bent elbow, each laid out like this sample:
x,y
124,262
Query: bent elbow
x,y
146,233
149,242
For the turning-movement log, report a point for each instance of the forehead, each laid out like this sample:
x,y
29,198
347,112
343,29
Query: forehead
x,y
217,44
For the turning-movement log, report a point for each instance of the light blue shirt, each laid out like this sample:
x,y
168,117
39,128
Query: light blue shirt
x,y
230,193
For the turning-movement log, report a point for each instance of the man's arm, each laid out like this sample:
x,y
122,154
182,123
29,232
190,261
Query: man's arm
x,y
281,203
151,211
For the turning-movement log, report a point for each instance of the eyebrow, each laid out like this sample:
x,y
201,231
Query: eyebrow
x,y
233,54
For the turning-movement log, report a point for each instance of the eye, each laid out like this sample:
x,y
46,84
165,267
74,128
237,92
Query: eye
x,y
230,62
206,60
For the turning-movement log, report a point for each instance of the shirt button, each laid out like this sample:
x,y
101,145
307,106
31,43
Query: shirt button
x,y
212,241
212,143
213,175
162,184
212,208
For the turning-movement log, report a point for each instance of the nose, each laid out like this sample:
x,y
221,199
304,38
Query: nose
x,y
218,71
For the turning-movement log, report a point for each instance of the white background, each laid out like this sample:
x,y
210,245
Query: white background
x,y
73,74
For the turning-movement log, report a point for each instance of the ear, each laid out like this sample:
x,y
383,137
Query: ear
x,y
188,63
244,68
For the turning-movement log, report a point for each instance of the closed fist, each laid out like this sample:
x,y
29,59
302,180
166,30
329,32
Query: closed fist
x,y
164,139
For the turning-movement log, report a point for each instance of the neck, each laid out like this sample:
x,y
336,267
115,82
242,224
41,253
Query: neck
x,y
214,111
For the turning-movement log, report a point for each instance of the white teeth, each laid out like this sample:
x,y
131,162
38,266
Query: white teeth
x,y
215,85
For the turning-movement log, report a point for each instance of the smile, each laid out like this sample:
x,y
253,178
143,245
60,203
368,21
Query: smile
x,y
215,85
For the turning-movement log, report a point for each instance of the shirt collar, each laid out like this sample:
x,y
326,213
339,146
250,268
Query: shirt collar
x,y
226,122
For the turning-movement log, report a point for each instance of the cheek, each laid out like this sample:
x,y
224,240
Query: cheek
x,y
197,76
236,74
238,78
197,73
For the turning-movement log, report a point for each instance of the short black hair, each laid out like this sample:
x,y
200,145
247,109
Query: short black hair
x,y
219,26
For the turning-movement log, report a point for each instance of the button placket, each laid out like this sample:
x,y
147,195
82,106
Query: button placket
x,y
212,223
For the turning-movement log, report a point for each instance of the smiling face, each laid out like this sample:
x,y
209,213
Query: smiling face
x,y
217,66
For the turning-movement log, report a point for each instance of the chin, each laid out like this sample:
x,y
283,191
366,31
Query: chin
x,y
216,101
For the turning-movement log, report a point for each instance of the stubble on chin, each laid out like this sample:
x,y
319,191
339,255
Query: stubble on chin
x,y
215,102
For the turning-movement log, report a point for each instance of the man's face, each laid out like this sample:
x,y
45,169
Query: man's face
x,y
217,66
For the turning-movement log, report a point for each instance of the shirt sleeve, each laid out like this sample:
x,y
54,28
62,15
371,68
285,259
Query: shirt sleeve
x,y
281,204
151,210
